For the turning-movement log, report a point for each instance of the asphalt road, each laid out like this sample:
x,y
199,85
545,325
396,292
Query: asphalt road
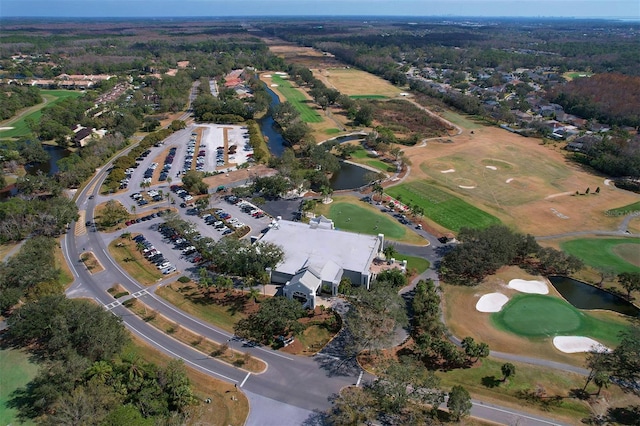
x,y
292,388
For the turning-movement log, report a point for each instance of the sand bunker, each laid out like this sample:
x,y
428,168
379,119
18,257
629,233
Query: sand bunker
x,y
529,286
573,344
267,75
448,171
608,182
6,128
491,302
274,85
509,180
491,167
466,187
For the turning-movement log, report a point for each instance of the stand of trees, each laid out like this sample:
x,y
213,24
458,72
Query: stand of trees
x,y
86,378
484,251
617,154
14,98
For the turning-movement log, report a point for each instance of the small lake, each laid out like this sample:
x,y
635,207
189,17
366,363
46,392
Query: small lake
x,y
348,177
585,296
50,167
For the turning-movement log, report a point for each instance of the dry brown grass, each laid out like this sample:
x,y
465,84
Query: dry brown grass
x,y
198,342
464,320
227,407
354,82
91,262
540,175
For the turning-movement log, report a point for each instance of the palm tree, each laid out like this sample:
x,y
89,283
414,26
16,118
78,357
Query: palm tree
x,y
378,189
389,251
253,294
508,370
133,209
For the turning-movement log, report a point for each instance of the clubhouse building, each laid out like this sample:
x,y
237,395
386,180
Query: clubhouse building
x,y
317,256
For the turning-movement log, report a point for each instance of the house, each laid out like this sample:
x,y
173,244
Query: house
x,y
319,250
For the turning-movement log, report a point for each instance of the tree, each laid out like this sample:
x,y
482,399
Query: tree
x,y
378,190
630,281
389,251
625,358
459,402
364,115
277,316
373,316
475,350
353,406
508,370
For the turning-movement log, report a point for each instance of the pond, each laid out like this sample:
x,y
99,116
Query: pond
x,y
50,167
585,296
348,177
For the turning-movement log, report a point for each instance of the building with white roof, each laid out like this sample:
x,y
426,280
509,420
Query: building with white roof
x,y
317,256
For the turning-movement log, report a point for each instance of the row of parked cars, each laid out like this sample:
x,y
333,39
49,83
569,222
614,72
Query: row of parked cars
x,y
124,183
245,206
168,161
154,255
188,251
147,217
181,192
188,159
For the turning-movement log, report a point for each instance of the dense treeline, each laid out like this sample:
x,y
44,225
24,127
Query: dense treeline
x,y
608,98
86,378
617,154
484,251
14,98
47,216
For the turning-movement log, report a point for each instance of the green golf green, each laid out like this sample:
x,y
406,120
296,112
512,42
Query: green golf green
x,y
536,315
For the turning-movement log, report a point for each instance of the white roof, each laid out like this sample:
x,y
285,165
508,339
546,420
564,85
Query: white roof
x,y
307,278
317,247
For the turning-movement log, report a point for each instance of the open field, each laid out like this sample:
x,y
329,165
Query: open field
x,y
619,254
463,319
535,315
442,207
15,373
356,83
351,214
222,410
19,123
461,120
297,98
525,184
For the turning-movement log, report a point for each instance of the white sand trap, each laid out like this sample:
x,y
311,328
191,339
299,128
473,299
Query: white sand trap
x,y
509,180
280,73
573,344
466,187
274,85
608,182
559,194
6,128
491,167
529,286
491,302
267,75
448,171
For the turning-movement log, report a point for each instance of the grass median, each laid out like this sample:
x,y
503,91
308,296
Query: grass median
x,y
124,251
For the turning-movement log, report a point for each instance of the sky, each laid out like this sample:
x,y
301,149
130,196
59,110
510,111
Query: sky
x,y
626,9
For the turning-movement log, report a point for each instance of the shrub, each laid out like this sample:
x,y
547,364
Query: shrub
x,y
184,279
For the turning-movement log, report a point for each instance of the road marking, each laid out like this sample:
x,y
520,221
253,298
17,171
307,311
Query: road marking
x,y
328,356
140,293
491,407
359,378
245,379
199,367
112,305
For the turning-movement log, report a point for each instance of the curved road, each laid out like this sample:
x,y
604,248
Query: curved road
x,y
291,391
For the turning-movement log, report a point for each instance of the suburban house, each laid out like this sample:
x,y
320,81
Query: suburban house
x,y
317,256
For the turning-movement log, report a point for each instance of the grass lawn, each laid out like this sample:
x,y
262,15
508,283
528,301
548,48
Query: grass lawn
x,y
332,131
351,214
297,99
443,208
485,381
420,264
19,123
464,121
368,97
361,156
536,315
624,210
619,254
188,298
124,251
222,410
15,373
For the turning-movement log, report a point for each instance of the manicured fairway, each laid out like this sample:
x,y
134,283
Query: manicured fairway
x,y
297,99
624,210
442,207
535,315
16,372
353,218
20,127
606,252
361,156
